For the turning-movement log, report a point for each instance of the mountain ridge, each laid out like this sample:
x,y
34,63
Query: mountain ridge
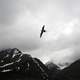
x,y
14,65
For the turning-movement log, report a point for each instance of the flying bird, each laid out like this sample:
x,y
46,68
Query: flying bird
x,y
42,31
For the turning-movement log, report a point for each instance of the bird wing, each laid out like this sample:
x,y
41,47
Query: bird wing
x,y
43,27
41,33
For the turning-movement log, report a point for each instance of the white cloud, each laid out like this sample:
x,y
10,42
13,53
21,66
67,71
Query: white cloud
x,y
21,21
62,46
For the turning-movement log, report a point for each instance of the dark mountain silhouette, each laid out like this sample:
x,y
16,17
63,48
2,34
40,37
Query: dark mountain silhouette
x,y
42,65
16,65
70,73
53,70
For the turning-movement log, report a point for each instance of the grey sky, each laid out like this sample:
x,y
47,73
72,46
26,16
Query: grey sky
x,y
21,22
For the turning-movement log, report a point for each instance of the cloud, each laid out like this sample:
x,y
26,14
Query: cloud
x,y
63,46
8,11
22,20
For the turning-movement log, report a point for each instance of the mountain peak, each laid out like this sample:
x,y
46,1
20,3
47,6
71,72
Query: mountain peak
x,y
14,61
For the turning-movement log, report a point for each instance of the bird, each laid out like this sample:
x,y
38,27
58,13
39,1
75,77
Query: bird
x,y
42,31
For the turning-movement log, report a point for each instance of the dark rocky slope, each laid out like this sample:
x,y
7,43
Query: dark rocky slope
x,y
53,70
16,65
70,73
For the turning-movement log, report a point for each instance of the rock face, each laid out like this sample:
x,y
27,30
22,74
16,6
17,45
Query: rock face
x,y
53,70
70,73
14,64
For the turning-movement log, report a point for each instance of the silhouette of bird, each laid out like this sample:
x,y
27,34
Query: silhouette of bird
x,y
42,31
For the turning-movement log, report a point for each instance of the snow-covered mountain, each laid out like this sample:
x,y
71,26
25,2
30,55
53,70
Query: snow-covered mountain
x,y
14,61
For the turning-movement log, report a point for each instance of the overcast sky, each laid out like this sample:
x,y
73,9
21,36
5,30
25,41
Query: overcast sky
x,y
22,20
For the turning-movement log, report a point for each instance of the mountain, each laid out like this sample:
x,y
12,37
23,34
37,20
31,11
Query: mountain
x,y
53,70
14,65
70,73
